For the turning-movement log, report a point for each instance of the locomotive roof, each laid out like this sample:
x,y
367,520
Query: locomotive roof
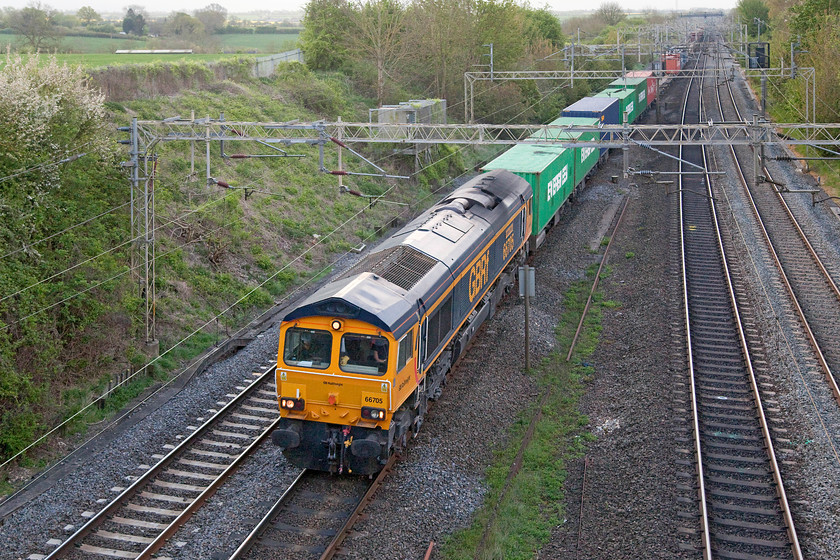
x,y
421,259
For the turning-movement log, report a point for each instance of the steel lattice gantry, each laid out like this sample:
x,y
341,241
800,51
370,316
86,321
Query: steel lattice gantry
x,y
145,135
807,74
615,136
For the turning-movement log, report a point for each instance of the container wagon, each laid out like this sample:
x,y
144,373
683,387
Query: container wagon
x,y
607,110
673,63
550,172
629,105
639,88
585,158
651,83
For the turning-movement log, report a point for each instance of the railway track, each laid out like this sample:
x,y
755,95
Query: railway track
x,y
814,294
311,519
139,521
743,507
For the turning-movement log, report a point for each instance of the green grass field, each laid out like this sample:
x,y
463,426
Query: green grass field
x,y
264,44
96,52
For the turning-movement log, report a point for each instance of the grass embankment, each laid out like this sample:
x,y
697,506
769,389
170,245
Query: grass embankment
x,y
520,512
223,256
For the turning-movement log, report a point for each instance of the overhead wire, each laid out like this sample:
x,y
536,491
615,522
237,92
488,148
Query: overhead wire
x,y
133,375
112,249
52,163
157,257
299,257
85,222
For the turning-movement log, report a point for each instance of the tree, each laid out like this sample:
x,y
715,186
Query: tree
x,y
502,23
87,15
134,22
35,24
444,44
213,17
610,13
543,25
322,39
181,24
810,14
48,115
377,35
749,10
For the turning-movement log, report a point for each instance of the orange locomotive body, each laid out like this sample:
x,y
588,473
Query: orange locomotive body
x,y
360,358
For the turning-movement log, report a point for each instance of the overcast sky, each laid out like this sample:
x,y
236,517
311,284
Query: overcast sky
x,y
242,6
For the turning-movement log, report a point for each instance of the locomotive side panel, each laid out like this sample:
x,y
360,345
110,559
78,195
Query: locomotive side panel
x,y
452,309
344,406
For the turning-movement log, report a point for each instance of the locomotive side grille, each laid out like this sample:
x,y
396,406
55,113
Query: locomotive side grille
x,y
400,265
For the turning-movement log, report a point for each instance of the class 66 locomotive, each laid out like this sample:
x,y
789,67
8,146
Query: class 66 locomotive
x,y
360,359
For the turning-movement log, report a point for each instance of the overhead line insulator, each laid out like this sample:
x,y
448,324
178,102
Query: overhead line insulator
x,y
339,142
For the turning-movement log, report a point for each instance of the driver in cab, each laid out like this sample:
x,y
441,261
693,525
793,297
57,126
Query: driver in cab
x,y
308,350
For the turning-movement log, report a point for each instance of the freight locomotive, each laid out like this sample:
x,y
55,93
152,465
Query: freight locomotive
x,y
360,359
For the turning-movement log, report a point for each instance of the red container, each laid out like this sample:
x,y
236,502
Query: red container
x,y
672,63
651,83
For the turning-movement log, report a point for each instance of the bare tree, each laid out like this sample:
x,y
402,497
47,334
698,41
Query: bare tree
x,y
213,17
442,39
610,13
377,35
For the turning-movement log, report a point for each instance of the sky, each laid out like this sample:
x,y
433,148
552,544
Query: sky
x,y
243,6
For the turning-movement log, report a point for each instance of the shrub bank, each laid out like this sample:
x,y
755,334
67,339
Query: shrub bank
x,y
139,81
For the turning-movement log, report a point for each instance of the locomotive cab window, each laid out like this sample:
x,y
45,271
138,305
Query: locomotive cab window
x,y
406,350
365,354
307,347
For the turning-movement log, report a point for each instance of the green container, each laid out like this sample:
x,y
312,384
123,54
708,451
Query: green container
x,y
628,99
639,85
550,172
585,158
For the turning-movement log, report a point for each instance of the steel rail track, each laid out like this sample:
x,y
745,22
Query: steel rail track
x,y
139,521
743,506
814,294
311,519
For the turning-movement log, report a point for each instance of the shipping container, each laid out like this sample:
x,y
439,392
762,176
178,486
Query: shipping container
x,y
673,63
606,110
550,172
585,158
629,106
651,83
639,87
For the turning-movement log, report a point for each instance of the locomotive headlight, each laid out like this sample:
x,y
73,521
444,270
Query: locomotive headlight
x,y
336,325
371,413
292,404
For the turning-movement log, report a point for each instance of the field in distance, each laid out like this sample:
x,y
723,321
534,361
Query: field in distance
x,y
95,52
